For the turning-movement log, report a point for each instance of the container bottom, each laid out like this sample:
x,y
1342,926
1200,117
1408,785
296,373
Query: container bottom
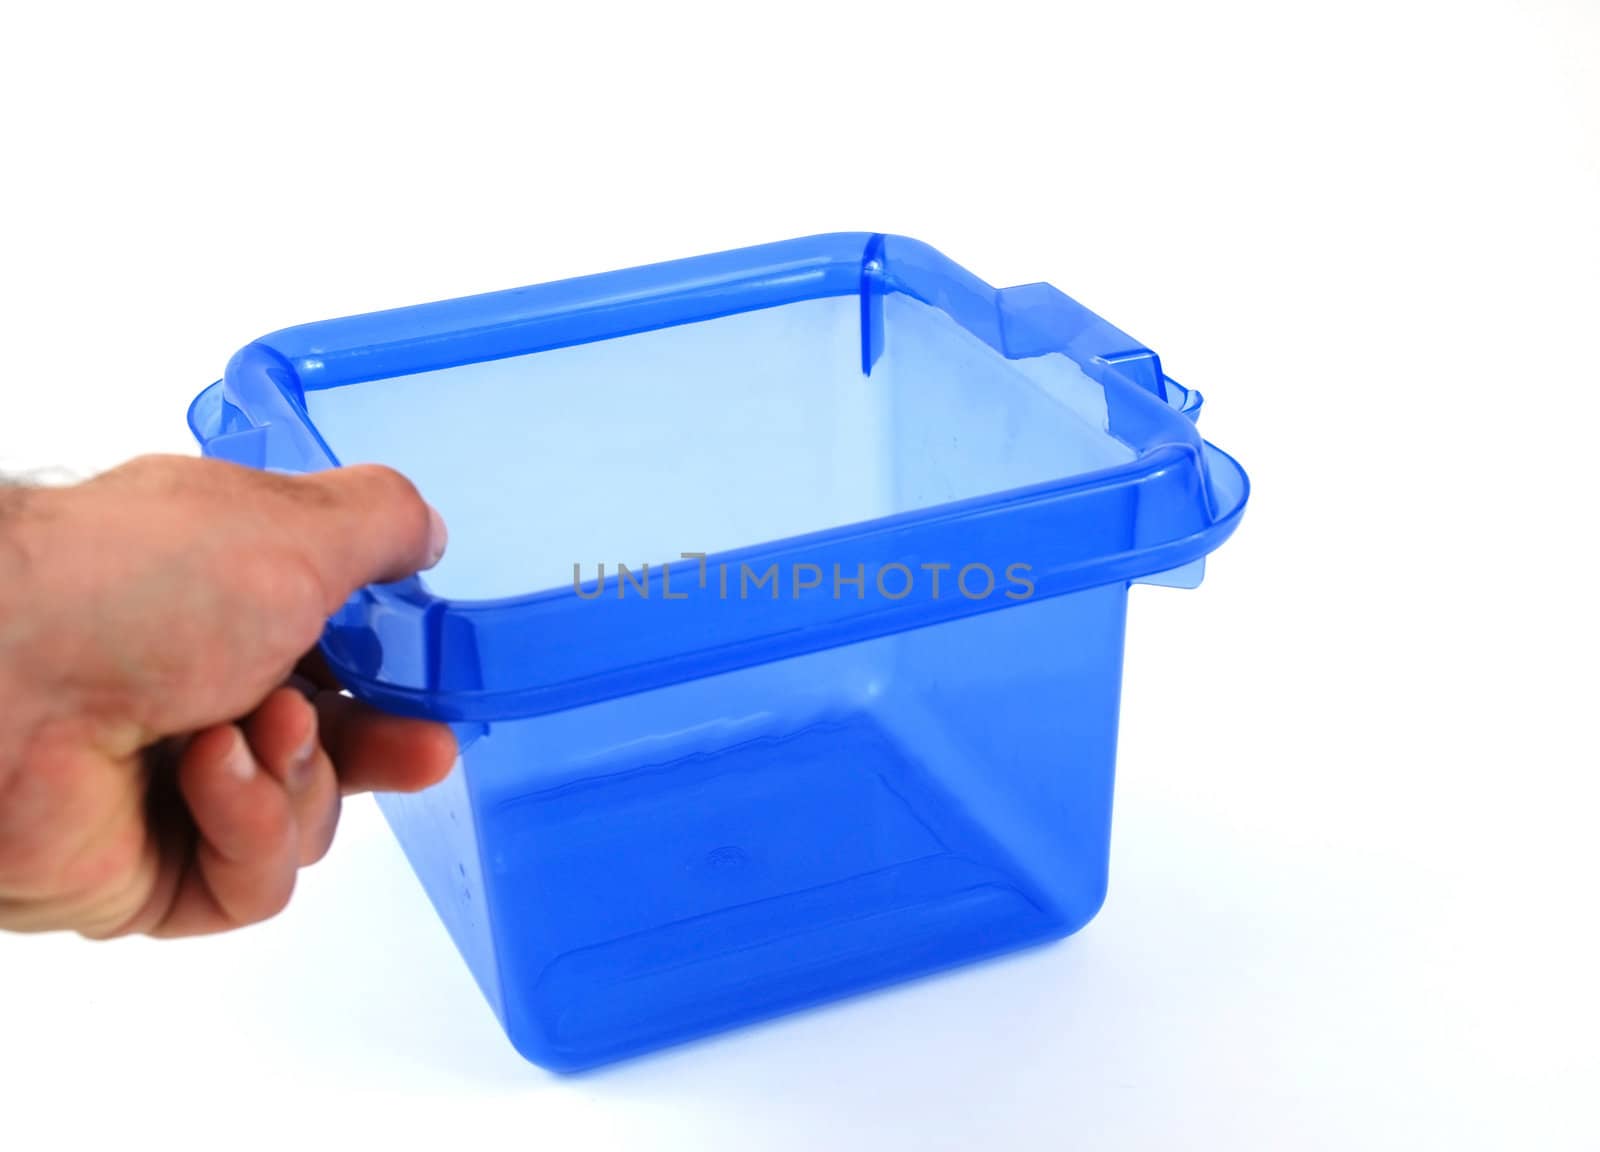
x,y
868,878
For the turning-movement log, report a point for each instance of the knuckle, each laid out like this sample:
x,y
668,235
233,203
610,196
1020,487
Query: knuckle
x,y
288,592
278,896
392,479
265,899
394,489
271,825
308,600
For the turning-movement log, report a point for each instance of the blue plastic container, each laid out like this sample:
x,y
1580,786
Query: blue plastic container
x,y
864,729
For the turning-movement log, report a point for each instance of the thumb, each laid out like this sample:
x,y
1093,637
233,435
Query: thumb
x,y
364,524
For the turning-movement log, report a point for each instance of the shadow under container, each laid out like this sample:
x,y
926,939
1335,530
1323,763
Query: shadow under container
x,y
840,707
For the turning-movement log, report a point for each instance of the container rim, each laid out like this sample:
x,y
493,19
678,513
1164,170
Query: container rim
x,y
408,649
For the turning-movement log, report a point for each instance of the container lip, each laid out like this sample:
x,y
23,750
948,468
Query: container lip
x,y
512,700
1180,495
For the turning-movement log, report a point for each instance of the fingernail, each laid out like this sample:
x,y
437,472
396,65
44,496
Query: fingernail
x,y
237,761
300,764
438,536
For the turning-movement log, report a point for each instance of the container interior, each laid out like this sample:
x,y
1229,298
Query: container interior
x,y
713,435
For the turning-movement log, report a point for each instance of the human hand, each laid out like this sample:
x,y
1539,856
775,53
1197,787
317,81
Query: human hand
x,y
158,771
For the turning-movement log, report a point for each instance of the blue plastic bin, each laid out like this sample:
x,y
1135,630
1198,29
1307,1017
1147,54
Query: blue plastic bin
x,y
841,707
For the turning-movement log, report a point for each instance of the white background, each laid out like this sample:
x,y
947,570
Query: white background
x,y
1353,894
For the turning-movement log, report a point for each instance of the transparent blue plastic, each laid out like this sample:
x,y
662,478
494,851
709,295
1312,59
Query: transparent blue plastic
x,y
781,623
